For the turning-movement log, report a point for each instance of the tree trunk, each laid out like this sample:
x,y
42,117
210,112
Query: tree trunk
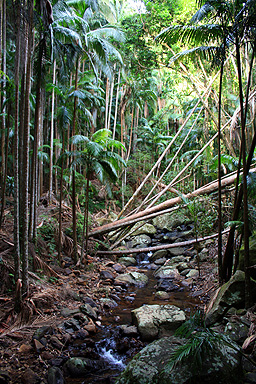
x,y
75,257
25,174
52,135
219,180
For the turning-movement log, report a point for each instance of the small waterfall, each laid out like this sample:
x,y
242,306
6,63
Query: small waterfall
x,y
107,351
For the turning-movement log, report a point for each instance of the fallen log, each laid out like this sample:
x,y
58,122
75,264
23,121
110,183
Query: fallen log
x,y
161,208
158,247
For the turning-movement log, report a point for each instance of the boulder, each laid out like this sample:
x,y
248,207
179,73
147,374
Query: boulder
x,y
158,254
80,366
127,261
155,321
132,278
171,220
231,294
166,272
150,366
140,241
55,376
143,228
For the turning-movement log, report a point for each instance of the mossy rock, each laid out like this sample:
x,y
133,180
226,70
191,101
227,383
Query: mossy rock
x,y
171,220
221,364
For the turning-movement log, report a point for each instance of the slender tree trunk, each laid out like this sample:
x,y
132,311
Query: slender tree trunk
x,y
116,107
16,230
61,198
106,103
246,220
3,199
219,179
229,251
34,165
52,135
86,221
4,147
25,175
110,100
75,257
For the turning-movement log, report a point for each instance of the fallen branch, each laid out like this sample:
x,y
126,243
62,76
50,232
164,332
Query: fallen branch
x,y
158,247
163,207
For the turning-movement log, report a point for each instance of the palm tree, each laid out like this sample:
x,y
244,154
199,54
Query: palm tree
x,y
98,159
228,29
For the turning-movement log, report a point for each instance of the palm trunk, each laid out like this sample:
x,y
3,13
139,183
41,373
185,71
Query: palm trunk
x,y
25,174
16,230
229,251
86,222
106,103
116,107
219,180
246,221
52,135
61,198
75,257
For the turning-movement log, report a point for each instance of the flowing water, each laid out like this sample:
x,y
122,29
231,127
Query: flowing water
x,y
108,339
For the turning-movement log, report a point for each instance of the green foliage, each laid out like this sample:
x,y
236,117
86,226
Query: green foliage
x,y
203,213
200,341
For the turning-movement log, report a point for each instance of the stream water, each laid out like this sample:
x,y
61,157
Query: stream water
x,y
107,340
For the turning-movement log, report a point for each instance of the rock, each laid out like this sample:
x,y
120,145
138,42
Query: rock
x,y
160,261
143,228
38,346
229,295
30,377
73,324
167,285
55,376
108,303
88,311
41,332
91,302
56,343
118,268
203,255
237,331
127,261
159,254
129,330
169,221
140,241
166,272
193,274
80,366
66,312
25,348
177,251
157,320
132,278
150,366
162,295
106,275
90,327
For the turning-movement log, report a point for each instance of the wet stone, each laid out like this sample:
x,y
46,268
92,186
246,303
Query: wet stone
x,y
89,311
107,275
55,376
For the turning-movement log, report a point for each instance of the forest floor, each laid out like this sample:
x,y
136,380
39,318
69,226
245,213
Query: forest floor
x,y
50,291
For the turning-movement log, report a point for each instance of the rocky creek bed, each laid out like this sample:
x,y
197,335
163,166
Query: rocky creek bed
x,y
90,324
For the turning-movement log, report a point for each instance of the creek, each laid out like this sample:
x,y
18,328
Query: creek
x,y
110,346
